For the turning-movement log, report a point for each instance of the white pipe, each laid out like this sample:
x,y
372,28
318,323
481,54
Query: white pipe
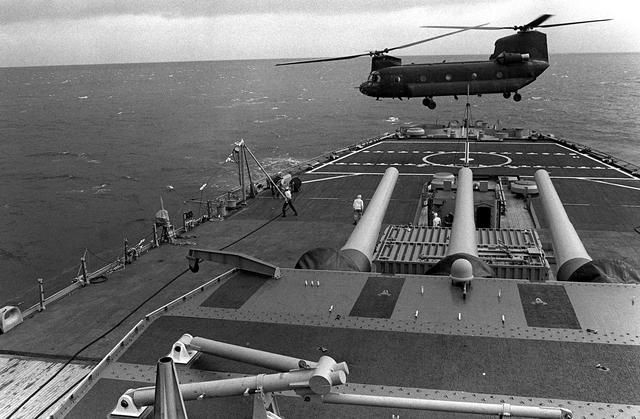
x,y
447,406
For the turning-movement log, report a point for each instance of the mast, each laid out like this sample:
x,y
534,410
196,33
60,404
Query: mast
x,y
467,116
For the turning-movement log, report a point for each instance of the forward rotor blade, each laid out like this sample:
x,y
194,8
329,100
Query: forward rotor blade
x,y
435,37
321,60
384,51
573,23
484,28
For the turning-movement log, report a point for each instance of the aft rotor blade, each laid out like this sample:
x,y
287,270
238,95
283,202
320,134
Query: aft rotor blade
x,y
321,60
434,38
535,23
573,23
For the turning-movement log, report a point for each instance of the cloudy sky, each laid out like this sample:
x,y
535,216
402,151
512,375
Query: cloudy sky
x,y
55,32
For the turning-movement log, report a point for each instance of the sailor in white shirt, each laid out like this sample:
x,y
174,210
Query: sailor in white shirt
x,y
358,208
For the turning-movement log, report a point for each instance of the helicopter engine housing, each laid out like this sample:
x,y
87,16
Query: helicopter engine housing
x,y
384,61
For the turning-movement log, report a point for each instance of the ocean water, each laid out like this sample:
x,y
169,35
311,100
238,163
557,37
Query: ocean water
x,y
86,152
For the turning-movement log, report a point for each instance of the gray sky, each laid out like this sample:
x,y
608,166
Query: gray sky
x,y
54,32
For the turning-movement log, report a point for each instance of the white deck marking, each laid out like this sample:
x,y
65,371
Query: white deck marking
x,y
571,153
635,188
337,177
343,157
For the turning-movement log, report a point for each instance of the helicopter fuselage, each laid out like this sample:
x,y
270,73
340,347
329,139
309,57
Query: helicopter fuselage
x,y
455,78
517,60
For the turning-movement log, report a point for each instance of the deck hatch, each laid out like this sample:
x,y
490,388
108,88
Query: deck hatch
x,y
235,292
547,306
378,297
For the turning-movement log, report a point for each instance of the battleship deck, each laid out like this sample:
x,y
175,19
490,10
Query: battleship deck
x,y
453,349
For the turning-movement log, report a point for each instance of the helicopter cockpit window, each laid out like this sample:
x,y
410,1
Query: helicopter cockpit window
x,y
374,77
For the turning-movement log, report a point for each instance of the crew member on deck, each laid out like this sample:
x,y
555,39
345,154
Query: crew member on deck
x,y
358,208
288,202
436,220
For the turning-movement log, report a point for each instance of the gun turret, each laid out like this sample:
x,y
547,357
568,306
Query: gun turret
x,y
357,253
461,262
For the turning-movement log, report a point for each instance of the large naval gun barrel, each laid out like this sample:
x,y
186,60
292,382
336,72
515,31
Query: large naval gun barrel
x,y
362,242
357,253
463,231
461,262
574,263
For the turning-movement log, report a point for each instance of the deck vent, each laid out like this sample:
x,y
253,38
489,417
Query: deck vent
x,y
10,317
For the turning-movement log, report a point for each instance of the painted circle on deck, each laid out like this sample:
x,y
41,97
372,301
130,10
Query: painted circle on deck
x,y
456,159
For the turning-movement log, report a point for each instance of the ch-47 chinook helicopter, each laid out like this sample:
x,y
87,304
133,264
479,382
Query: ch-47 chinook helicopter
x,y
517,60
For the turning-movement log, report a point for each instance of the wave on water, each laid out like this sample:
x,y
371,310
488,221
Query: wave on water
x,y
100,189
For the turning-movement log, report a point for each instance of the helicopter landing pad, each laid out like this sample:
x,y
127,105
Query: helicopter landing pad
x,y
505,158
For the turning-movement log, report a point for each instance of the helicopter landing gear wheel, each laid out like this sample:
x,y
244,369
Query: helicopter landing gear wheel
x,y
517,97
429,103
506,95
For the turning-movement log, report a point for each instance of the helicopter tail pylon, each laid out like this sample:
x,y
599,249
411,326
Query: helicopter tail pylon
x,y
533,43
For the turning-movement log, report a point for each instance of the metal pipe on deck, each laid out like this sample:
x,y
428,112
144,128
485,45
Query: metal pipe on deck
x,y
168,401
252,356
362,242
494,409
572,258
318,380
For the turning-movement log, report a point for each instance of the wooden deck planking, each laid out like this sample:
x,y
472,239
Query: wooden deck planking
x,y
20,378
